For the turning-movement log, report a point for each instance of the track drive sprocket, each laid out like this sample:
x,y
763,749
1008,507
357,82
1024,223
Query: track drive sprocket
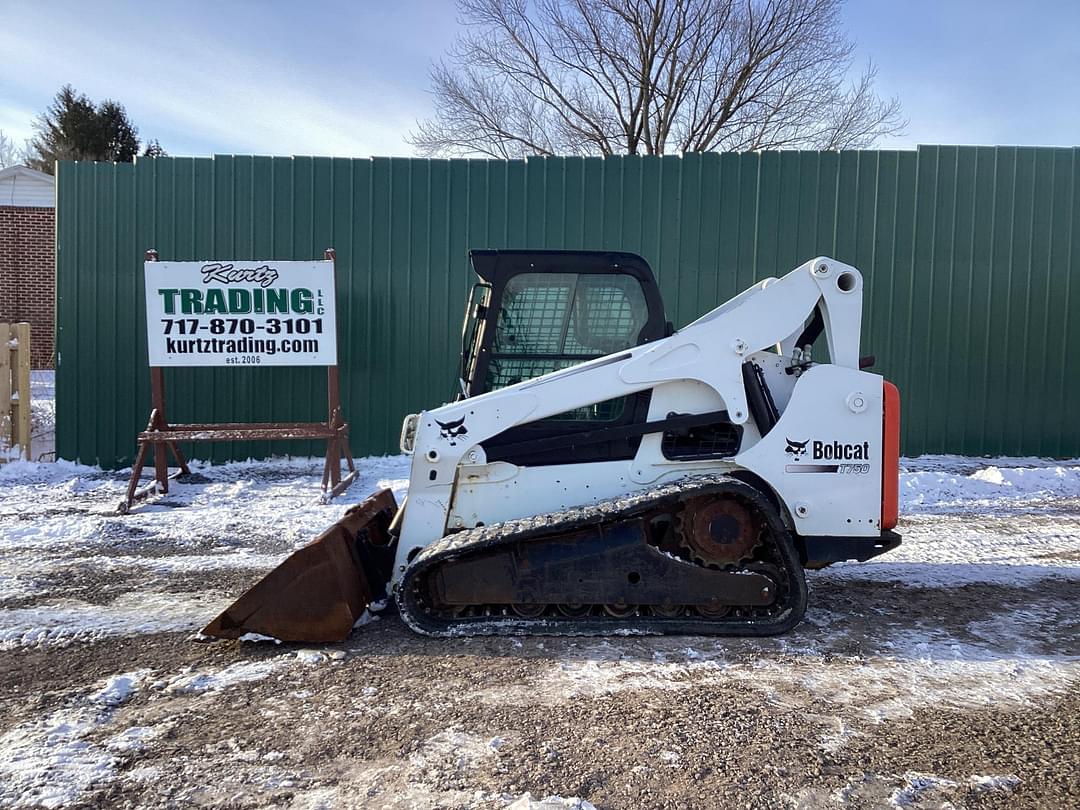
x,y
718,532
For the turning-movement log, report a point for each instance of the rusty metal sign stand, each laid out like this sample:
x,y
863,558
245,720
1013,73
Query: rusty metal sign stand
x,y
164,437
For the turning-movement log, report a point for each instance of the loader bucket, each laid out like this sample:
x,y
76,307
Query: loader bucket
x,y
320,590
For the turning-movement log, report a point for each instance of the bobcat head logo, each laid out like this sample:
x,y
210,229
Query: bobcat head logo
x,y
796,449
451,430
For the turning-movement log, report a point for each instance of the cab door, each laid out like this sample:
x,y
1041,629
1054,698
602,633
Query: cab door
x,y
549,310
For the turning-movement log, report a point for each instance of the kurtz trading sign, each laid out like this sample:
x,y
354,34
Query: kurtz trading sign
x,y
241,313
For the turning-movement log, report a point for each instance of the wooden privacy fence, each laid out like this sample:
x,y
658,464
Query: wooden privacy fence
x,y
14,391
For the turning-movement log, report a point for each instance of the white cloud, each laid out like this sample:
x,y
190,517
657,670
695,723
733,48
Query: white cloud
x,y
16,122
216,95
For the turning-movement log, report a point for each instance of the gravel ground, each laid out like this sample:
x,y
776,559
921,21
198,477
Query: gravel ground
x,y
945,675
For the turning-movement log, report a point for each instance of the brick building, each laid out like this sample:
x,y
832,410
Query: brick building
x,y
27,256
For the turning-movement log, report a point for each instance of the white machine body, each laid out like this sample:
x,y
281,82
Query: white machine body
x,y
822,459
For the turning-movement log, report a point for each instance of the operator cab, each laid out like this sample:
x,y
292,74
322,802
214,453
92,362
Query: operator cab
x,y
534,312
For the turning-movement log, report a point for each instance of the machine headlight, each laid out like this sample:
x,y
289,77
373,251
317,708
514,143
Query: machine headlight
x,y
408,433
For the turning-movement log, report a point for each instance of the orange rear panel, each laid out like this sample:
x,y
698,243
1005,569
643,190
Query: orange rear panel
x,y
890,457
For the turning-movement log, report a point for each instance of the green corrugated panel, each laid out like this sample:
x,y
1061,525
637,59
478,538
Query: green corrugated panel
x,y
968,253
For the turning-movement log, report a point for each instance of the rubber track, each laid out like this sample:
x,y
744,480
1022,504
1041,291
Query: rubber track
x,y
416,615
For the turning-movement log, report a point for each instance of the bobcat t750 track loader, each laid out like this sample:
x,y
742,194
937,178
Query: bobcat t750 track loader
x,y
601,472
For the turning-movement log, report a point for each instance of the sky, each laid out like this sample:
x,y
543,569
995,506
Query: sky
x,y
351,78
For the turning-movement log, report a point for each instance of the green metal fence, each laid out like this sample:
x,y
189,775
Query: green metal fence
x,y
968,252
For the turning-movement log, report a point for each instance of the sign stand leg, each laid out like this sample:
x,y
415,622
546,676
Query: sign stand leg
x,y
136,471
181,459
161,459
333,398
162,446
338,441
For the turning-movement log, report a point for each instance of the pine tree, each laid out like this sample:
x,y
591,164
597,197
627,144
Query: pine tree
x,y
118,135
73,128
154,149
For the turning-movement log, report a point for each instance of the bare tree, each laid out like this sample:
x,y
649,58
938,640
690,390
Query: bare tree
x,y
10,155
650,76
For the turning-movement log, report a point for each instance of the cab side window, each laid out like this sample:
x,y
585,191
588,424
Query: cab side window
x,y
553,320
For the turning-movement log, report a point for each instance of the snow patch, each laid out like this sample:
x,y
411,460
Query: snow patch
x,y
917,784
672,758
134,739
451,749
50,761
118,689
69,620
597,677
257,637
311,657
189,681
315,799
1005,783
527,802
143,773
928,491
367,617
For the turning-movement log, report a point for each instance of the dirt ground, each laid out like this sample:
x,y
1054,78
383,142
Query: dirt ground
x,y
930,682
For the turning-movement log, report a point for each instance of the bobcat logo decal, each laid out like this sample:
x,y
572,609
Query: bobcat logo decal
x,y
796,449
452,430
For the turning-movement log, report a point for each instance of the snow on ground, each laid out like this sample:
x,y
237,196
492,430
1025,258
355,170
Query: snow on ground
x,y
42,414
63,621
49,762
964,523
877,645
936,484
189,680
1005,521
528,802
68,562
894,673
42,419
